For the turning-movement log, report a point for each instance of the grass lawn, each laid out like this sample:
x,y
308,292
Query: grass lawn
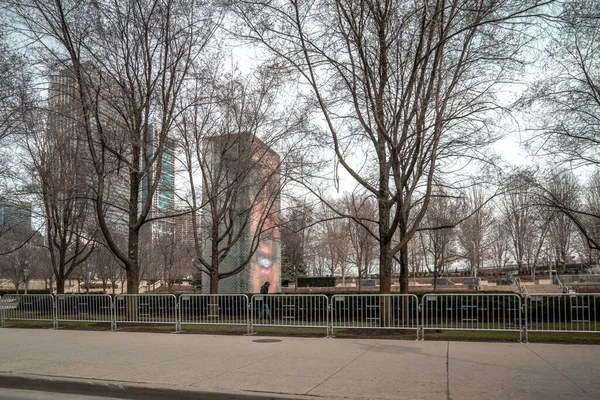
x,y
396,334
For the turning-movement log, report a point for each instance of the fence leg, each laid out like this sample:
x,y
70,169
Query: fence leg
x,y
2,311
54,316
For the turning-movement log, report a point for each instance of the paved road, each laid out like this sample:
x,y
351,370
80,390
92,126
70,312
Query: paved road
x,y
218,367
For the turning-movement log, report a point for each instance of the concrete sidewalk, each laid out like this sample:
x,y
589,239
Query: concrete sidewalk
x,y
143,365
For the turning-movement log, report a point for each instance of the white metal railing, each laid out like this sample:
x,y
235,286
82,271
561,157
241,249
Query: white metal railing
x,y
214,309
28,307
554,312
145,309
473,312
290,310
84,308
375,311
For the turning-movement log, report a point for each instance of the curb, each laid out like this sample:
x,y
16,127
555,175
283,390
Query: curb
x,y
126,390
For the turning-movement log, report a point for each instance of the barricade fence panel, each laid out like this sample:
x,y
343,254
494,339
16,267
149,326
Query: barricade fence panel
x,y
474,312
84,308
28,307
290,310
554,312
376,311
214,309
145,309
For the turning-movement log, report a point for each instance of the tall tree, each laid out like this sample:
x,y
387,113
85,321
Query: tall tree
x,y
474,230
362,235
238,148
440,243
402,88
128,61
296,231
565,100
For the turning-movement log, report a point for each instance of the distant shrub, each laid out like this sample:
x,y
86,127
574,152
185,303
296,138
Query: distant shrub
x,y
316,281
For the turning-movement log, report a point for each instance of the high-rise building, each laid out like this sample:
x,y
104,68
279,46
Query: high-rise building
x,y
15,215
242,188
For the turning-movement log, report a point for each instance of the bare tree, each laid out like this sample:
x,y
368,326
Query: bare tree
x,y
565,101
129,61
240,146
519,214
401,87
61,182
440,243
296,232
474,230
564,189
335,239
499,237
362,236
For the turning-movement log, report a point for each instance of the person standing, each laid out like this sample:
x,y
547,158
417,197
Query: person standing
x,y
265,310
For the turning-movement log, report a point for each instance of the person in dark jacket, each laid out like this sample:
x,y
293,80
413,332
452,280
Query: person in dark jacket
x,y
265,311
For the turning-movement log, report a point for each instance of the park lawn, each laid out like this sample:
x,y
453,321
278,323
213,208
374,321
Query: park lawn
x,y
351,333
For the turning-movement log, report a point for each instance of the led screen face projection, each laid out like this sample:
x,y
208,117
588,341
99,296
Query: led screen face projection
x,y
246,184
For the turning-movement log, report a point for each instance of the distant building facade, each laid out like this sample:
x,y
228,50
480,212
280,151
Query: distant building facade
x,y
15,215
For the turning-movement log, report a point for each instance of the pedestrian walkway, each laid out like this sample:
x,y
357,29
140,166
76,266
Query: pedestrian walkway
x,y
214,367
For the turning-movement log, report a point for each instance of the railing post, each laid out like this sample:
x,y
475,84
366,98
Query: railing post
x,y
419,327
112,314
54,316
250,316
526,312
329,319
177,314
2,317
423,316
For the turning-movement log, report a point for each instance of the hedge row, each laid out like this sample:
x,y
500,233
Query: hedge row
x,y
316,281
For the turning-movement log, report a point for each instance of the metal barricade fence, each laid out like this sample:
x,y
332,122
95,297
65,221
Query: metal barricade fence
x,y
554,312
29,307
84,308
290,310
473,312
214,309
145,309
375,311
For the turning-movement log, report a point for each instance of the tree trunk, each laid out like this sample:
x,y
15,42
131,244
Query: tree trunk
x,y
385,268
214,282
60,285
133,269
404,269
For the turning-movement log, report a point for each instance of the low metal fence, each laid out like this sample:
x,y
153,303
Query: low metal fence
x,y
290,310
375,311
214,309
554,312
472,312
84,308
570,313
28,307
145,309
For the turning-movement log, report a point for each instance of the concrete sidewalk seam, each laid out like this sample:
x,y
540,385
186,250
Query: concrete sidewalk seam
x,y
342,368
559,371
448,371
